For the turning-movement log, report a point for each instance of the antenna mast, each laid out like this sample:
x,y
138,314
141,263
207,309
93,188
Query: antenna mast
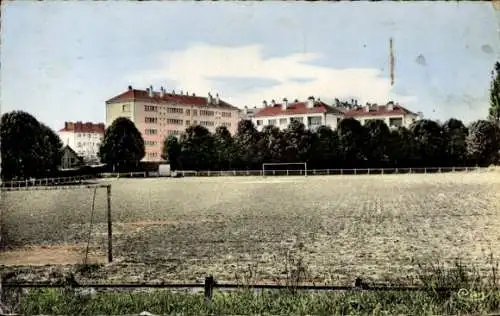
x,y
391,61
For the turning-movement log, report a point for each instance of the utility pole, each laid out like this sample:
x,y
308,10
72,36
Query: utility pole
x,y
391,61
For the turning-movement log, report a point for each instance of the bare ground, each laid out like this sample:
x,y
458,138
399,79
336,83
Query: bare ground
x,y
251,229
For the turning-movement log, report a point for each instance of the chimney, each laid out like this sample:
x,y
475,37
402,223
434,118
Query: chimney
x,y
217,98
284,106
151,91
162,92
264,103
245,110
273,103
310,102
173,91
65,125
129,88
390,106
367,107
194,95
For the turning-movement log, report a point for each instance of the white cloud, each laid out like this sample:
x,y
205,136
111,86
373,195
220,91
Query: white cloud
x,y
194,68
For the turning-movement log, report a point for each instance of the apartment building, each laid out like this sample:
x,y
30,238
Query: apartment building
x,y
392,114
158,114
83,138
248,113
312,113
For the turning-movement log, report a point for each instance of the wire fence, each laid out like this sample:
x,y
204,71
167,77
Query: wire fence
x,y
323,172
61,181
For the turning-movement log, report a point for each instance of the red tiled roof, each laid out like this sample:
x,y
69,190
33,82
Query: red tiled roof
x,y
79,127
142,95
298,108
379,110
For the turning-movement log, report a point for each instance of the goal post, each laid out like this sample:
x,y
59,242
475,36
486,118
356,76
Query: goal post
x,y
284,168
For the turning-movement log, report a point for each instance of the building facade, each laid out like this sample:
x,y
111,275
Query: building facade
x,y
83,138
158,114
393,115
312,113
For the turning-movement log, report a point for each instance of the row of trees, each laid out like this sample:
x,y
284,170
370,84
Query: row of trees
x,y
426,143
31,149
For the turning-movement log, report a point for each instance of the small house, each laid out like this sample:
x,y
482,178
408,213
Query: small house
x,y
70,158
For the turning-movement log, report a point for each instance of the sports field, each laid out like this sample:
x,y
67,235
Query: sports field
x,y
378,227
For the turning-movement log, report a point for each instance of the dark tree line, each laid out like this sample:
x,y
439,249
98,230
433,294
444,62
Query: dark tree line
x,y
425,143
29,149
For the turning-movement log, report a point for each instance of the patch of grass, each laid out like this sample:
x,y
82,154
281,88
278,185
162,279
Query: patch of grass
x,y
53,301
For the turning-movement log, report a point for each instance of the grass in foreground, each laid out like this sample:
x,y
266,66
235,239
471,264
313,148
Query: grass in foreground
x,y
53,301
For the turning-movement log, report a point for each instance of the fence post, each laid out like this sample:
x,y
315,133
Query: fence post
x,y
328,171
368,170
287,172
354,170
110,231
209,287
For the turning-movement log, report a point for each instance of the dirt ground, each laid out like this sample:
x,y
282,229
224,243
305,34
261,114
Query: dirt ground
x,y
254,229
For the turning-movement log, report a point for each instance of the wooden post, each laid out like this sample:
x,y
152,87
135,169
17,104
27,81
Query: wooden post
x,y
209,288
110,232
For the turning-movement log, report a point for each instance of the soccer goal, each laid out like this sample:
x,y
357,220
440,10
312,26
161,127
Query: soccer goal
x,y
284,169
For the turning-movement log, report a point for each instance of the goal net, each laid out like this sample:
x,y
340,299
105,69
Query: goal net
x,y
54,224
284,169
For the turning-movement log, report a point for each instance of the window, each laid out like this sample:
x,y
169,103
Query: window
x,y
395,122
272,122
151,120
151,132
195,122
195,112
89,135
173,132
226,124
283,121
259,122
187,122
150,143
174,121
314,120
150,108
226,114
188,112
207,123
79,144
126,108
297,119
207,113
175,110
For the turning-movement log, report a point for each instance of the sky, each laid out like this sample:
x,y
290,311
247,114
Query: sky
x,y
61,61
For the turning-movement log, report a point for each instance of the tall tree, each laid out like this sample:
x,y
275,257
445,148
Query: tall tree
x,y
122,145
429,142
483,142
298,142
325,148
455,135
494,110
247,143
376,147
22,146
272,144
352,137
51,147
402,148
197,148
225,150
171,152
